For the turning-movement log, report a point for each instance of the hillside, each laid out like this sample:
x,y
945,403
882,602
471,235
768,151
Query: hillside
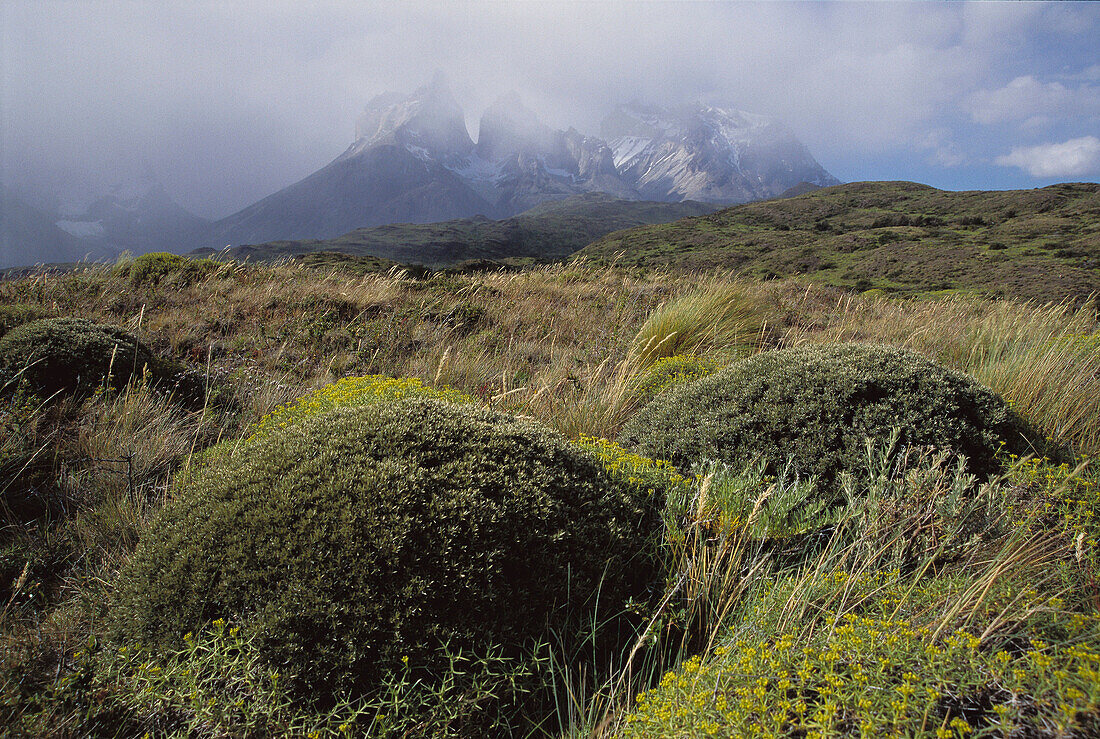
x,y
898,236
544,233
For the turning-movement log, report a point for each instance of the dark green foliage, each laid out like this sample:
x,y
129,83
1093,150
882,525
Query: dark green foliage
x,y
817,405
369,534
74,354
152,268
547,232
19,313
79,356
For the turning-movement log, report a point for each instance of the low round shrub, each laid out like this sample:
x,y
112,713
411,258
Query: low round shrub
x,y
152,268
73,354
817,406
369,539
16,314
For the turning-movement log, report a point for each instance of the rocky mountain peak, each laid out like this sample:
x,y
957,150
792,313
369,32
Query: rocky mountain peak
x,y
703,152
429,122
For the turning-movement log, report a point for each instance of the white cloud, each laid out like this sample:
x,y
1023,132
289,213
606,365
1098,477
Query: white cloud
x,y
1072,158
1028,98
946,152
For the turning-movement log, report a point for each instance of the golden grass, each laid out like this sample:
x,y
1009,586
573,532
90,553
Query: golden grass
x,y
723,317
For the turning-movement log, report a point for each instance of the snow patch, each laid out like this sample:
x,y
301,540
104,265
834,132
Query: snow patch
x,y
626,148
83,229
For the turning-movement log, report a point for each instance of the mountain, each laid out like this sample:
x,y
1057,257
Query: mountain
x,y
521,162
413,161
138,217
896,236
709,154
549,231
397,170
28,236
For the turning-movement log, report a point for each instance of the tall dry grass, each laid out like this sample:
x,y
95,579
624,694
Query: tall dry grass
x,y
723,317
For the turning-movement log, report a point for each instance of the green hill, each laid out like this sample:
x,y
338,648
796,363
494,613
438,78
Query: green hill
x,y
898,236
544,233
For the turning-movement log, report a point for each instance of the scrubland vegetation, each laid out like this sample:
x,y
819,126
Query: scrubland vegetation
x,y
291,501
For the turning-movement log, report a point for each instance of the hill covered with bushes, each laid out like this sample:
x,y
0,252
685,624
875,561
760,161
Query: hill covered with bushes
x,y
196,569
896,236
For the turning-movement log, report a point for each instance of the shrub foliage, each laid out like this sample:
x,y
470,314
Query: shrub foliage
x,y
72,354
818,405
373,538
154,267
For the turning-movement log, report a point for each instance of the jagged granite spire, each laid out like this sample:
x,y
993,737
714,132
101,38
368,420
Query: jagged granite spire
x,y
430,119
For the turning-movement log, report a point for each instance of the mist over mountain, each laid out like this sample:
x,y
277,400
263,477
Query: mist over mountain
x,y
414,161
708,154
136,216
29,236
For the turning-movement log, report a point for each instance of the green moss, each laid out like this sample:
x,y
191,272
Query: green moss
x,y
362,536
350,392
818,405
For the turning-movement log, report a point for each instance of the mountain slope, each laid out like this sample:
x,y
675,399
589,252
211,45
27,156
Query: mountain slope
x,y
545,233
899,236
29,236
382,184
705,153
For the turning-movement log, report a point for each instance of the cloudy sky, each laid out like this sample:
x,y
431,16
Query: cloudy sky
x,y
226,102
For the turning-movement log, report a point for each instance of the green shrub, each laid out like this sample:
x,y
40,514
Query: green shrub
x,y
818,405
17,314
154,267
370,538
872,674
74,354
671,371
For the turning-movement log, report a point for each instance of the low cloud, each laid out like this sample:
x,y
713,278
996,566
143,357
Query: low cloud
x,y
1073,158
1027,98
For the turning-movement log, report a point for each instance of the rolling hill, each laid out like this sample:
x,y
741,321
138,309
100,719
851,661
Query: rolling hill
x,y
900,237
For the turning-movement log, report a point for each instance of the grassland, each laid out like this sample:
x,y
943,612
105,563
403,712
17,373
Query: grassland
x,y
899,237
941,606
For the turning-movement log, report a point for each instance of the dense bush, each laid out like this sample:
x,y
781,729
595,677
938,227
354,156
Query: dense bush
x,y
80,356
17,314
73,354
371,538
818,405
152,268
